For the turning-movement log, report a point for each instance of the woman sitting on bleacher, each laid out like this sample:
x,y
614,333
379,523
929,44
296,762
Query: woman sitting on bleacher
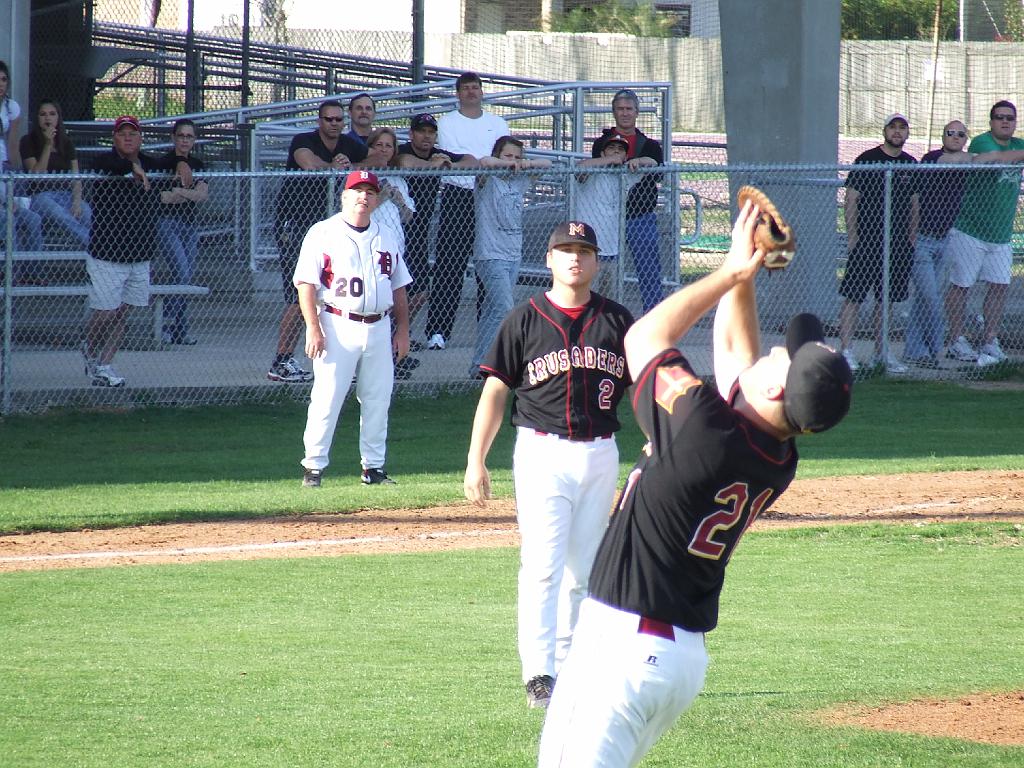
x,y
47,149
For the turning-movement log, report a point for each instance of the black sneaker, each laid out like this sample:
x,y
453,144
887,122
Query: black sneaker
x,y
538,691
311,478
289,372
376,476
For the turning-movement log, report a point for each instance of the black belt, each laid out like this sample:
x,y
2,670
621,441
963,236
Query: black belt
x,y
355,315
573,439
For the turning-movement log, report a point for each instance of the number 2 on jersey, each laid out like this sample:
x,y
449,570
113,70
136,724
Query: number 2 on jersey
x,y
734,496
343,286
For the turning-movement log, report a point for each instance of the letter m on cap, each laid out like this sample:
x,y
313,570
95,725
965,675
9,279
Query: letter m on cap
x,y
577,229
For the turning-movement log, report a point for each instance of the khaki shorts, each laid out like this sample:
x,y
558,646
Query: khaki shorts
x,y
112,283
971,260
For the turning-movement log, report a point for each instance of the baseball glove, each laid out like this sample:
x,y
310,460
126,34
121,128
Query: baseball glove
x,y
771,233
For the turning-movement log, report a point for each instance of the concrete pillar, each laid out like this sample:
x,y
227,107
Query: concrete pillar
x,y
780,61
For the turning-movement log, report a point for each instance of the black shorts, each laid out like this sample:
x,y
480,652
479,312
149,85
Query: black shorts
x,y
864,272
289,237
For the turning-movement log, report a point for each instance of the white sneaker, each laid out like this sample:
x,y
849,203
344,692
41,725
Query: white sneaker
x,y
962,350
436,342
105,376
851,359
892,366
991,353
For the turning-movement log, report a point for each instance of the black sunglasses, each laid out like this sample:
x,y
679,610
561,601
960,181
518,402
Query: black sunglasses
x,y
958,134
332,119
1004,117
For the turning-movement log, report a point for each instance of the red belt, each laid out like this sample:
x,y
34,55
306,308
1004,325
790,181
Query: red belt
x,y
657,628
354,315
573,439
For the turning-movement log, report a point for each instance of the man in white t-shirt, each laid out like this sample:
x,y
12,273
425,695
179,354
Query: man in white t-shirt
x,y
469,130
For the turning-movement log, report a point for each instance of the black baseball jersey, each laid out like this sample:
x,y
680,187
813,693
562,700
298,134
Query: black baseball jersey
x,y
303,199
705,475
566,367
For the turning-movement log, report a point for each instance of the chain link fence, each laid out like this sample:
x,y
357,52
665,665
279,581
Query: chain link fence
x,y
209,329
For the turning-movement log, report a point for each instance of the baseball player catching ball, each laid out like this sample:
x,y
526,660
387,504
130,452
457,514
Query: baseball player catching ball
x,y
714,461
351,281
561,353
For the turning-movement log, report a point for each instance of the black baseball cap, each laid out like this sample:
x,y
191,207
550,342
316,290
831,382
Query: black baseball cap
x,y
418,121
819,382
573,232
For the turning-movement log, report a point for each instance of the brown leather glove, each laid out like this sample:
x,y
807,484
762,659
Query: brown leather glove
x,y
772,234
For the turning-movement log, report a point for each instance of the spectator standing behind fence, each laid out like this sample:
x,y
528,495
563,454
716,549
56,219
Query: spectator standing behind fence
x,y
123,233
28,228
394,210
301,203
361,112
351,281
865,217
641,219
177,230
599,200
979,242
468,130
46,148
939,194
421,152
498,246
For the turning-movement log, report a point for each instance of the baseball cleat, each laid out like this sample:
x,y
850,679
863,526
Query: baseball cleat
x,y
376,476
105,376
538,691
436,342
311,478
289,372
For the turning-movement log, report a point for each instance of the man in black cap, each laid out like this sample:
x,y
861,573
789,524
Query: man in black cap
x,y
561,353
421,152
715,460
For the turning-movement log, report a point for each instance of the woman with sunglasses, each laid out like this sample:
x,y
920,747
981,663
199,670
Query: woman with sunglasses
x,y
177,231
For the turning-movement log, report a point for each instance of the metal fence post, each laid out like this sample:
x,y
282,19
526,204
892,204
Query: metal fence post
x,y
886,258
5,361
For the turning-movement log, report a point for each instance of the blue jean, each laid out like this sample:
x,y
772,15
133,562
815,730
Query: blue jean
x,y
926,327
56,207
642,238
499,278
179,241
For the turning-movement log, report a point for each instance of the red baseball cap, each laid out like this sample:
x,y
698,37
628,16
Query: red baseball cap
x,y
129,120
356,178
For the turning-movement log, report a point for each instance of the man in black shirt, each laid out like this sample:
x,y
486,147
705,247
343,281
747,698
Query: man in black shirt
x,y
714,461
420,152
865,219
301,203
120,245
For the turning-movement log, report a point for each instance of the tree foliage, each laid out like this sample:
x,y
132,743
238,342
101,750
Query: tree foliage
x,y
614,16
897,19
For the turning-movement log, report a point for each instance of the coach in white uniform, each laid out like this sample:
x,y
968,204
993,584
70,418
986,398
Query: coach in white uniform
x,y
351,281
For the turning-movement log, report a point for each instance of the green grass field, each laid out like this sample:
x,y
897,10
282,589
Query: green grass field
x,y
410,660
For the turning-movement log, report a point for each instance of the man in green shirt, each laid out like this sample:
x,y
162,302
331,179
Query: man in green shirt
x,y
979,242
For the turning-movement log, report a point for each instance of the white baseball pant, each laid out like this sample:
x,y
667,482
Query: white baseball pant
x,y
564,494
352,350
619,690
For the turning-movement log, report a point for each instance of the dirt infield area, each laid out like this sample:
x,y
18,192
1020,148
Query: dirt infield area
x,y
914,499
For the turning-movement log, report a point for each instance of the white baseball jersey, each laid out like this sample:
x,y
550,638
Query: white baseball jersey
x,y
353,270
469,136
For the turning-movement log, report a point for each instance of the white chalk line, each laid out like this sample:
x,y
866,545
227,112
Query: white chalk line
x,y
235,548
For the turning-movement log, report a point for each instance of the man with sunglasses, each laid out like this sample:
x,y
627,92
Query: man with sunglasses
x,y
302,202
939,194
979,241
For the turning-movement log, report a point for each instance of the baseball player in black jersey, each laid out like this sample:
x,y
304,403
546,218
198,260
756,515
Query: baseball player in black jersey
x,y
562,355
714,461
